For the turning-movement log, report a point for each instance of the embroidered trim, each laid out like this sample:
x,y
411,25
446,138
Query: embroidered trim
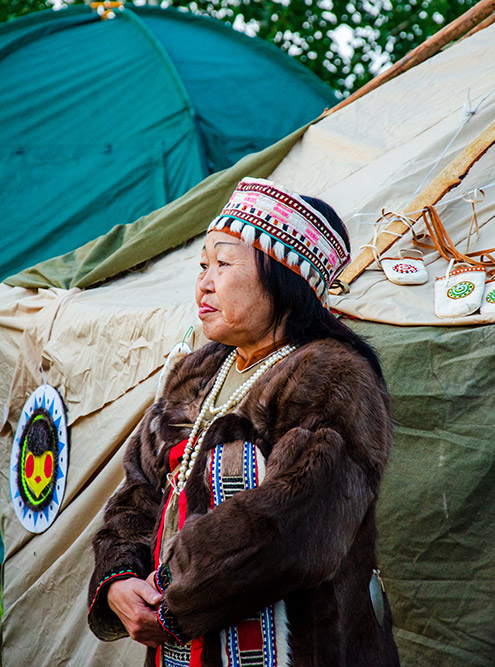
x,y
293,202
250,466
223,486
169,623
163,578
292,241
175,656
165,618
286,227
215,477
254,642
112,576
269,643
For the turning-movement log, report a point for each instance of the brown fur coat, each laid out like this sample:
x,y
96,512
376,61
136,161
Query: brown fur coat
x,y
306,535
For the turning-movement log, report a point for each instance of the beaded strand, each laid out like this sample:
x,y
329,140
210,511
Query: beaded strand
x,y
191,450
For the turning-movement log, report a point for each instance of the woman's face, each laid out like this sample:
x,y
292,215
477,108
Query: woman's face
x,y
233,306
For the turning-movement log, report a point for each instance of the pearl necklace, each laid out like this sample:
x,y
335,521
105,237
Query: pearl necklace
x,y
191,450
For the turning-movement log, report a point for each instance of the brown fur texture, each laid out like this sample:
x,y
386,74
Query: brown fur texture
x,y
305,535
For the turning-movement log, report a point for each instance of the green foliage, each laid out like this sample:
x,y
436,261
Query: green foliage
x,y
11,9
345,42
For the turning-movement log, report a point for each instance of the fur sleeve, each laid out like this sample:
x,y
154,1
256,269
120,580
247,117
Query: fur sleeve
x,y
122,546
262,544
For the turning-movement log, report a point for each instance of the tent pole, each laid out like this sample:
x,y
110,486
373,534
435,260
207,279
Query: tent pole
x,y
447,179
450,33
481,26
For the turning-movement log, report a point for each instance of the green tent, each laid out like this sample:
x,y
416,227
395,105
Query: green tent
x,y
104,120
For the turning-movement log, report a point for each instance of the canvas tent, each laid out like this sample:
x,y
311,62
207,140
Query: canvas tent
x,y
103,347
105,120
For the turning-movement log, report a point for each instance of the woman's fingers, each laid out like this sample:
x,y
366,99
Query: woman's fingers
x,y
151,581
135,602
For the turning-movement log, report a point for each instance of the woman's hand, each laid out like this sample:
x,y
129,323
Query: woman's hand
x,y
151,581
135,601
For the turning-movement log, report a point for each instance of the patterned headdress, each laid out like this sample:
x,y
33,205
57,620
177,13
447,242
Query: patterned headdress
x,y
280,223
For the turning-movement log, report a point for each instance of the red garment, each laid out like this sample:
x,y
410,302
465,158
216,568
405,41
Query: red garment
x,y
175,456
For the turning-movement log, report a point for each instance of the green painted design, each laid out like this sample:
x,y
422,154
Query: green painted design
x,y
490,297
460,290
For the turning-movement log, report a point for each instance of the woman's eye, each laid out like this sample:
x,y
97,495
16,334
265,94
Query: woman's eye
x,y
220,263
203,266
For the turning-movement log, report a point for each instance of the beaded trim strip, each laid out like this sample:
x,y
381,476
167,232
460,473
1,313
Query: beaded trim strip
x,y
224,487
176,655
255,641
169,623
163,578
112,576
467,269
305,210
165,618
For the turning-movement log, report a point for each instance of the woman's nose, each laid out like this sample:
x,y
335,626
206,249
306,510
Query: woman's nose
x,y
206,283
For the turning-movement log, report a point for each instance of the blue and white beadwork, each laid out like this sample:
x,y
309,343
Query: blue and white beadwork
x,y
260,641
223,486
176,656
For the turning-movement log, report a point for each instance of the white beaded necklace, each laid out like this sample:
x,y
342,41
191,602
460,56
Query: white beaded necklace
x,y
191,450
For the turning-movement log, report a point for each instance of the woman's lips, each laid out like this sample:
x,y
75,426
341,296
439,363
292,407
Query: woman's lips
x,y
204,308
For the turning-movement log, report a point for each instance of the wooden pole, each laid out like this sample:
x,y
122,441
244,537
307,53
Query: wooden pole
x,y
447,179
451,32
481,26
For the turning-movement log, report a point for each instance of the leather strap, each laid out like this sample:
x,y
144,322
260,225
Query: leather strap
x,y
438,235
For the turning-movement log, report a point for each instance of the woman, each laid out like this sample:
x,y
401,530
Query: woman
x,y
244,532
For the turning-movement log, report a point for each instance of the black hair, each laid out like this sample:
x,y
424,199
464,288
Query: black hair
x,y
293,299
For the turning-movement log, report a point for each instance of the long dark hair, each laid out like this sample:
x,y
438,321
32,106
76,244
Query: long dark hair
x,y
293,299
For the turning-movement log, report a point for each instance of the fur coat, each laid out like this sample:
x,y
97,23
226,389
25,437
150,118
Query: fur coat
x,y
301,543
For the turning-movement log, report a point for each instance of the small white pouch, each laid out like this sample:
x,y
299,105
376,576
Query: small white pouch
x,y
460,291
407,269
488,300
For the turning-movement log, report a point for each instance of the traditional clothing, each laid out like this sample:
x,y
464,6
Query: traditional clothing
x,y
284,225
275,554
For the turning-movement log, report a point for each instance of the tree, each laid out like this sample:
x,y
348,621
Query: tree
x,y
12,9
345,42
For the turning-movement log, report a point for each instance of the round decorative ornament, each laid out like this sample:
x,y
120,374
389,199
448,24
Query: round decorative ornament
x,y
38,463
405,268
490,297
461,290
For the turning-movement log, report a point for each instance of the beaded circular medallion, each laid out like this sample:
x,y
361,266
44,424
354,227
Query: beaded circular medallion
x,y
405,268
490,297
460,290
38,463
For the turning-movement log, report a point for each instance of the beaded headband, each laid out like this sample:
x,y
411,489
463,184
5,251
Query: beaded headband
x,y
281,224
